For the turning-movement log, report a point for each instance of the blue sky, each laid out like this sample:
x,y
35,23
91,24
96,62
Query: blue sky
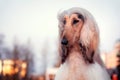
x,y
37,19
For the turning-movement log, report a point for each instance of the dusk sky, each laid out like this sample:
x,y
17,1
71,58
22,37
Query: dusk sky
x,y
37,19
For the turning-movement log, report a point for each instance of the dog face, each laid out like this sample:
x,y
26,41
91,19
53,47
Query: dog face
x,y
72,25
78,27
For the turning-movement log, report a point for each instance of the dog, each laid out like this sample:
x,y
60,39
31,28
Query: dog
x,y
79,47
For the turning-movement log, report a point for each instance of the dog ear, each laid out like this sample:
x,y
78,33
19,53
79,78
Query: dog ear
x,y
87,53
89,38
63,53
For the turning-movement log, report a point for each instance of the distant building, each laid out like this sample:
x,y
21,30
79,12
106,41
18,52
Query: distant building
x,y
5,52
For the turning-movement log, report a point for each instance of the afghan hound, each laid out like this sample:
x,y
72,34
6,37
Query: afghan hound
x,y
79,41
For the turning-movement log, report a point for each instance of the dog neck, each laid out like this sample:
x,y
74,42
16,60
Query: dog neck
x,y
75,55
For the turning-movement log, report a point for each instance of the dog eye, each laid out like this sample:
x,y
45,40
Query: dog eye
x,y
75,21
81,17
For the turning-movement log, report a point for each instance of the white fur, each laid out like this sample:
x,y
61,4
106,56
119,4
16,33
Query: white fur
x,y
91,72
76,69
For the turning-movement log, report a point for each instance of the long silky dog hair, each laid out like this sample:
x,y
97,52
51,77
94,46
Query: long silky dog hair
x,y
89,35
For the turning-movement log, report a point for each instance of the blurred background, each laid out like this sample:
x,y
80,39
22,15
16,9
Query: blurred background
x,y
29,36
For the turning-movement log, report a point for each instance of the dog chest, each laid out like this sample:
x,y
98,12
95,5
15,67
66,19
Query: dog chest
x,y
89,72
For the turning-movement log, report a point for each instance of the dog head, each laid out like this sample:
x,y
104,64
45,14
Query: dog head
x,y
72,25
77,26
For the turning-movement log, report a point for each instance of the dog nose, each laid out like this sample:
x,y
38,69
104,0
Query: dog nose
x,y
64,41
